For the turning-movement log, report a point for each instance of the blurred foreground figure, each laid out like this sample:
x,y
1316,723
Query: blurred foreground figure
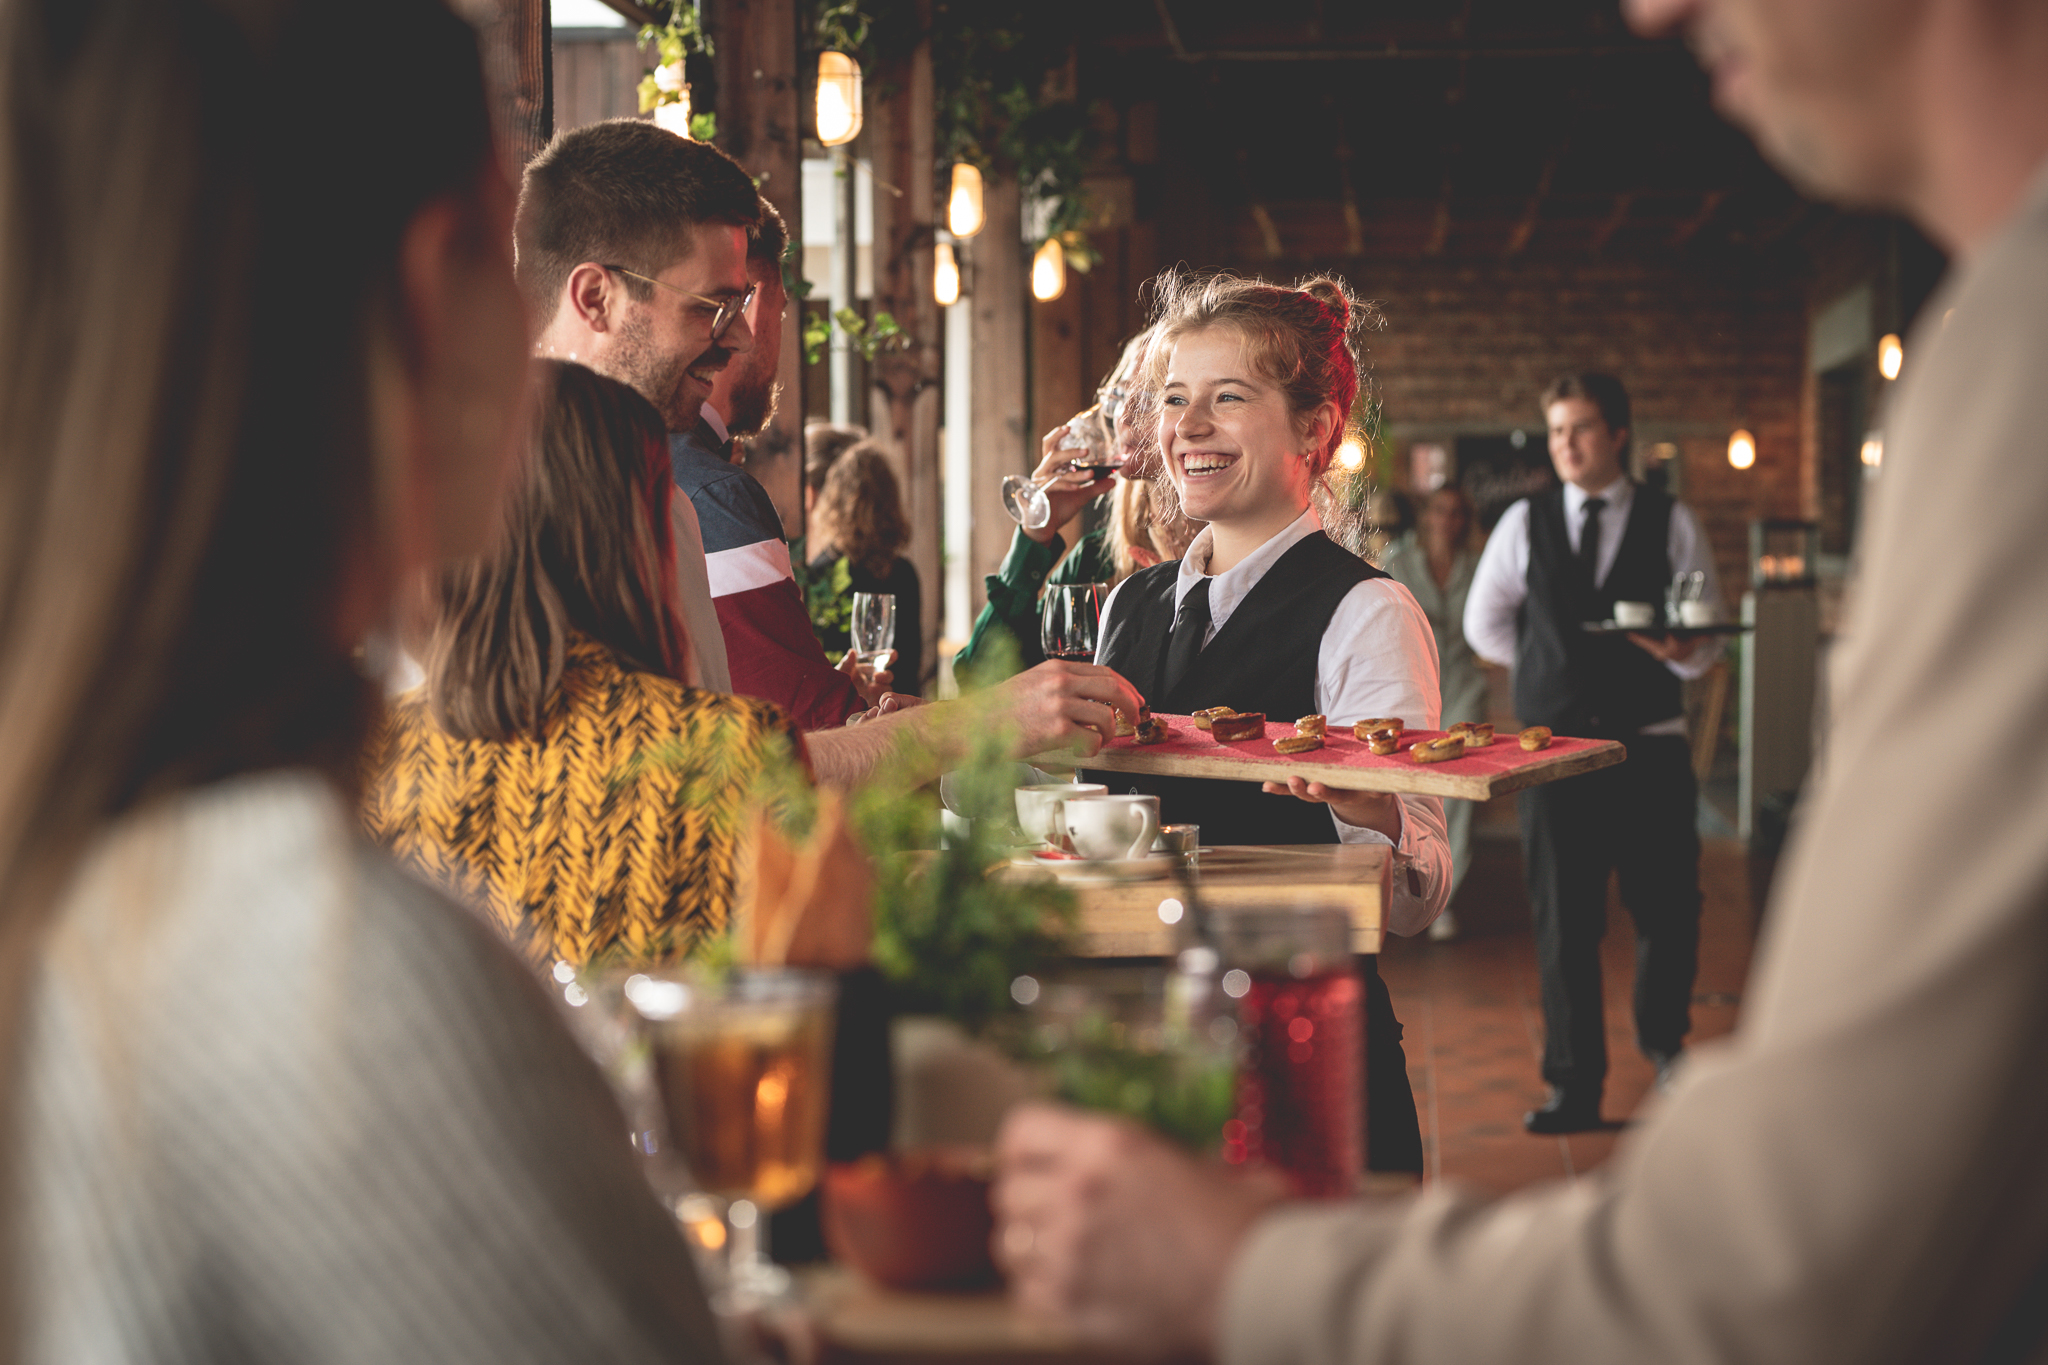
x,y
1861,1173
267,1098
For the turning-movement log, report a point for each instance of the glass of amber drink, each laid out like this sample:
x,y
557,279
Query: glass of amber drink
x,y
743,1066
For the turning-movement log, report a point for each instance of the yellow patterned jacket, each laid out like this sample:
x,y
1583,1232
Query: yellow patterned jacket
x,y
617,829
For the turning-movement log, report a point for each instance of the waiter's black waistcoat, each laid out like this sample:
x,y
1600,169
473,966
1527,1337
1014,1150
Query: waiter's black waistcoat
x,y
1580,683
1263,659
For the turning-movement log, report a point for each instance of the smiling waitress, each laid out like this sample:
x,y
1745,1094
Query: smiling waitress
x,y
1266,613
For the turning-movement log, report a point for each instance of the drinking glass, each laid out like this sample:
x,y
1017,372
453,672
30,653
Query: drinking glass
x,y
1068,619
1089,433
1300,1096
874,625
1159,1045
743,1068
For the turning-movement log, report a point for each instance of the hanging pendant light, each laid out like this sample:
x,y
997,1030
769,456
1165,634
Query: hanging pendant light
x,y
945,275
963,208
668,78
839,111
1351,455
1742,448
1891,355
1049,271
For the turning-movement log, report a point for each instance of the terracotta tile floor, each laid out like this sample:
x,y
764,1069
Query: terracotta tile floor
x,y
1474,1028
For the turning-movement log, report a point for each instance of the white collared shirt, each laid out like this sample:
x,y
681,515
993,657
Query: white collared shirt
x,y
1501,582
715,419
1378,658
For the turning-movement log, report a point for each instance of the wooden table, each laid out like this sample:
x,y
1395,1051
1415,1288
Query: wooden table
x,y
1123,919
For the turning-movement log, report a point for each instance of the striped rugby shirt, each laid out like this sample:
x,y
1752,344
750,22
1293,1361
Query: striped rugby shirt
x,y
769,644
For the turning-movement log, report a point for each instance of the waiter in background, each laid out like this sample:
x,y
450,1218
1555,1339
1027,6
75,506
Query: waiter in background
x,y
1556,561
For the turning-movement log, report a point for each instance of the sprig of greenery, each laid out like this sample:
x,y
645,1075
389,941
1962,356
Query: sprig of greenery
x,y
871,339
674,41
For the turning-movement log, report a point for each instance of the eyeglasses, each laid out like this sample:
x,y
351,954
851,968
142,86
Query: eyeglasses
x,y
727,310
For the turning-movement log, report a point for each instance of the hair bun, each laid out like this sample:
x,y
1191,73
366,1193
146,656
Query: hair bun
x,y
1356,315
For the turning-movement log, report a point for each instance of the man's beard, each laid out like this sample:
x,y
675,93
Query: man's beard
x,y
662,379
753,404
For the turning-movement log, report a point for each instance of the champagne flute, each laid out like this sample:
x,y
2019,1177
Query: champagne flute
x,y
1069,618
1091,434
874,625
743,1067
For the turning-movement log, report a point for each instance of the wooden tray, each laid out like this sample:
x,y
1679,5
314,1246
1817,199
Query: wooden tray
x,y
1347,762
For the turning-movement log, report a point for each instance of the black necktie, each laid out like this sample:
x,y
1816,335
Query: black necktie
x,y
1190,626
1589,542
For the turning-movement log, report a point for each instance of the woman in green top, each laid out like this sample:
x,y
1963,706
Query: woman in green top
x,y
1142,529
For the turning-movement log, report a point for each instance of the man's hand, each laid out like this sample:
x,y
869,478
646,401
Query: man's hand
x,y
1379,811
1117,1235
889,705
870,680
1060,704
1667,649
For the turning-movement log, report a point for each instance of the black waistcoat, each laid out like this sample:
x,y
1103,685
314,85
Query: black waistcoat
x,y
1579,683
1263,659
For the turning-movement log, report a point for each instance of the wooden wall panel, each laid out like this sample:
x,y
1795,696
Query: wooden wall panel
x,y
596,78
904,406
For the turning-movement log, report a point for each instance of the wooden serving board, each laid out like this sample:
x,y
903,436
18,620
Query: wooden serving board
x,y
1346,762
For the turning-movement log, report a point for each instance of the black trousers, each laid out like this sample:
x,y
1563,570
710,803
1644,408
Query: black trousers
x,y
1636,819
1393,1135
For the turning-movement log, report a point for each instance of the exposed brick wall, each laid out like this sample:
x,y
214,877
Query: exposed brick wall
x,y
1470,346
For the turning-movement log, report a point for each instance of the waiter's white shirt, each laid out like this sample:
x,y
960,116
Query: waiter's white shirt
x,y
1378,658
1500,585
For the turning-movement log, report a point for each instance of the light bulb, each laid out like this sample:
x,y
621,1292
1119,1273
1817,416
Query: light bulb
x,y
1350,455
839,111
1891,355
675,117
963,208
1873,449
1742,449
1049,271
945,275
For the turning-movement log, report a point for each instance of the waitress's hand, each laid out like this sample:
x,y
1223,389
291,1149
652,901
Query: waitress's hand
x,y
1068,493
1379,811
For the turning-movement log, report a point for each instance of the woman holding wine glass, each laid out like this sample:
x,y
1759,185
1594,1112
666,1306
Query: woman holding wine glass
x,y
858,518
1141,531
1255,383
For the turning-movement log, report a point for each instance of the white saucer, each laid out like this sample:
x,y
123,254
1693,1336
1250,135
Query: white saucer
x,y
1148,868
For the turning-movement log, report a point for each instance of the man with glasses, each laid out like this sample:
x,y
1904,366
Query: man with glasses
x,y
633,246
633,249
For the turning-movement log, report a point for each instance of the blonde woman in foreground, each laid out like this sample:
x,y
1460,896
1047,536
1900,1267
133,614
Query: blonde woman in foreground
x,y
269,1098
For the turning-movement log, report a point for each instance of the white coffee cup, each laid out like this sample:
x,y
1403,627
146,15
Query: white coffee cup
x,y
1038,807
1634,615
1112,827
1696,613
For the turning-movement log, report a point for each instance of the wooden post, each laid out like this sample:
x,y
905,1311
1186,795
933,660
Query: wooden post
x,y
513,36
904,403
761,122
1001,441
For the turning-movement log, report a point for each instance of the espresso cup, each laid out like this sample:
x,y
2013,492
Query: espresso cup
x,y
1696,613
1634,615
1038,808
1112,827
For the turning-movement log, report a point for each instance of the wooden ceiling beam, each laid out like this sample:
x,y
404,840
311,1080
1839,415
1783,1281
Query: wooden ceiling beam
x,y
1526,229
1690,228
1605,232
627,9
